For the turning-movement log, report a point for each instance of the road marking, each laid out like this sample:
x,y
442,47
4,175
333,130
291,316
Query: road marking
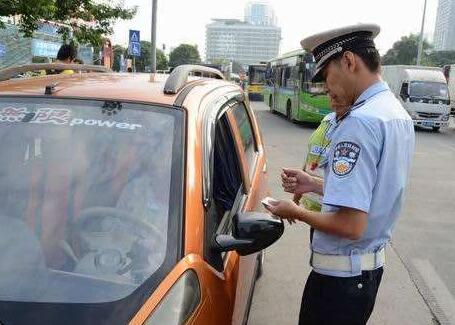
x,y
440,299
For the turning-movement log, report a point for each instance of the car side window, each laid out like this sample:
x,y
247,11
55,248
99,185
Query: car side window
x,y
226,190
245,129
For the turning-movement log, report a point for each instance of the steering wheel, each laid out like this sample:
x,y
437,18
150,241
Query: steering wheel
x,y
110,241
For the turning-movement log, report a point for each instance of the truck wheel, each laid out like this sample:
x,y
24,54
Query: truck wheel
x,y
436,128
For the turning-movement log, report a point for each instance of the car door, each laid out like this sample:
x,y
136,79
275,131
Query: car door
x,y
245,130
235,149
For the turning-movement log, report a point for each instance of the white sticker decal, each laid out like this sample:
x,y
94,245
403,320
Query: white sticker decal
x,y
58,117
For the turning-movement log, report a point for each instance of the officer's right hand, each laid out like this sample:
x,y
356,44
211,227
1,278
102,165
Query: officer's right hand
x,y
296,181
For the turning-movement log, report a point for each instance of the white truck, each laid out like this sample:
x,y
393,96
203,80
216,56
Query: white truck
x,y
422,91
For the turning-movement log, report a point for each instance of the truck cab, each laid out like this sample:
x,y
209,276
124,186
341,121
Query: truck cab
x,y
423,92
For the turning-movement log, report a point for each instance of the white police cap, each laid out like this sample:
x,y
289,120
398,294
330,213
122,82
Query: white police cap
x,y
329,44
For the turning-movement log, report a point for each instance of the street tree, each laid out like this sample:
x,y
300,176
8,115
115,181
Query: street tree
x,y
145,59
405,51
118,51
88,20
184,54
237,67
440,58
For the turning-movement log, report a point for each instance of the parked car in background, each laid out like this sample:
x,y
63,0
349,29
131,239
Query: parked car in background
x,y
422,91
125,200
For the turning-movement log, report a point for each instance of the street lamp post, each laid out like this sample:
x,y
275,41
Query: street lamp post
x,y
154,9
419,53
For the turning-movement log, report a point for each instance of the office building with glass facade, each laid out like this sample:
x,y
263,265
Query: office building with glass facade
x,y
259,13
235,40
444,32
15,49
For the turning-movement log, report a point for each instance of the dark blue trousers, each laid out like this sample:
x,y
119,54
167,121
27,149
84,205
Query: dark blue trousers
x,y
329,300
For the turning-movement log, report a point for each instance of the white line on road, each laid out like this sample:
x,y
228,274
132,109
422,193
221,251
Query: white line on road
x,y
438,291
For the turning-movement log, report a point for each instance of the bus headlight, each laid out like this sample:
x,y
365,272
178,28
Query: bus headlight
x,y
446,117
179,303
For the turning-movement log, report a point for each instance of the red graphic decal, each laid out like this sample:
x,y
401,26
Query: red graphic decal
x,y
53,116
11,114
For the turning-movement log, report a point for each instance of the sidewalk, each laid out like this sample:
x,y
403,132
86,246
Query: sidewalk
x,y
278,293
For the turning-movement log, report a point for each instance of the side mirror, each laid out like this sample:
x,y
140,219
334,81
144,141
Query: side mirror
x,y
404,92
252,232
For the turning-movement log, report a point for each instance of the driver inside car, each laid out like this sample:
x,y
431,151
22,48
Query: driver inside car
x,y
119,238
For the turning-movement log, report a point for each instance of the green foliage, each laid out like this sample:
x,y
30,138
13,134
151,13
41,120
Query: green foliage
x,y
118,51
88,20
237,67
143,61
184,54
146,58
440,58
405,51
161,60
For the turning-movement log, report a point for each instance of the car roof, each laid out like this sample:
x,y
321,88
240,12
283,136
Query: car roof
x,y
106,86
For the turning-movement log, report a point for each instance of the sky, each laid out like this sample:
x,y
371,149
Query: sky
x,y
182,21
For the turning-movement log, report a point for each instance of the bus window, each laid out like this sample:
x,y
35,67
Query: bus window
x,y
308,85
256,74
279,77
287,77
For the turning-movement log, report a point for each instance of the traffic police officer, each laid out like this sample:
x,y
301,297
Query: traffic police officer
x,y
365,175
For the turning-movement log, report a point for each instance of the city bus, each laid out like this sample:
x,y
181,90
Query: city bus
x,y
289,89
256,81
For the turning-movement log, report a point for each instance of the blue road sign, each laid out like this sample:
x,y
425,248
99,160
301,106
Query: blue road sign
x,y
135,36
134,47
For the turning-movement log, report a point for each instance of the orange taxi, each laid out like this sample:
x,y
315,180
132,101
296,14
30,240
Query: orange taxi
x,y
125,200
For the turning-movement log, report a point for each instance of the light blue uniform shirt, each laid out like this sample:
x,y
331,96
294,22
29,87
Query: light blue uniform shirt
x,y
367,168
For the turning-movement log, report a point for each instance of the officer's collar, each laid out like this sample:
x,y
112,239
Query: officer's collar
x,y
374,89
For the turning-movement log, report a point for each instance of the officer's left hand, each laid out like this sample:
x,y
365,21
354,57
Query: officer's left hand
x,y
285,209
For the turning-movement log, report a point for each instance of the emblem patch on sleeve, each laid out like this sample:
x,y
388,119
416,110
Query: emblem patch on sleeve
x,y
345,157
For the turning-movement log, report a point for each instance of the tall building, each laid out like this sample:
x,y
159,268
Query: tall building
x,y
260,13
248,42
444,32
15,49
234,40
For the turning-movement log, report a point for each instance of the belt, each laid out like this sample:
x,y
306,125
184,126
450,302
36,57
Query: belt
x,y
343,263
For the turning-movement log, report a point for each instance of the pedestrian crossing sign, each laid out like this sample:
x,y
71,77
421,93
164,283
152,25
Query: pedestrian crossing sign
x,y
135,36
134,47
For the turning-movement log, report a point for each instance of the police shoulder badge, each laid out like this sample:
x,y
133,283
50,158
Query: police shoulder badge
x,y
345,157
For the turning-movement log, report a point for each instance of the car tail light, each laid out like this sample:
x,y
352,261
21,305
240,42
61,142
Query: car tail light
x,y
179,303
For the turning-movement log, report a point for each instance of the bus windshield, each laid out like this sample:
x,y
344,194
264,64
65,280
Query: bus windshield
x,y
256,74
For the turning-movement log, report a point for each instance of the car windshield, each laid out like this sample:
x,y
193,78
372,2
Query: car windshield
x,y
426,89
85,198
